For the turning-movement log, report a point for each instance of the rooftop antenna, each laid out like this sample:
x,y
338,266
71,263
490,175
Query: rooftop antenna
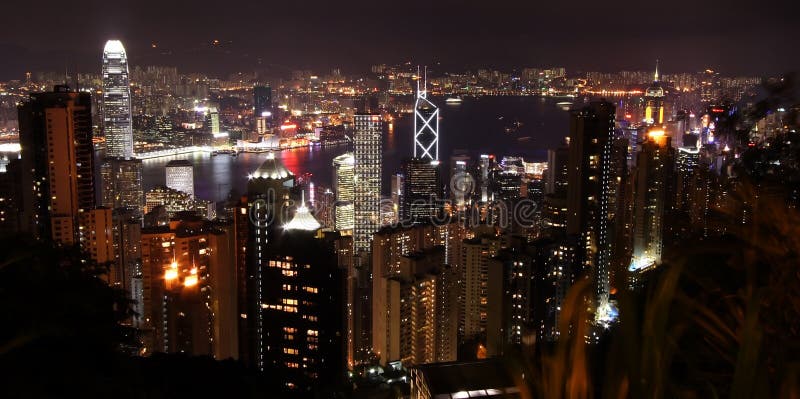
x,y
425,82
418,80
656,75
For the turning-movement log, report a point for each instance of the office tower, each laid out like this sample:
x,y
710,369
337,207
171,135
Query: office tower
x,y
654,102
461,184
476,301
189,288
262,101
397,183
257,218
180,176
302,310
212,121
117,126
652,183
486,165
57,157
368,154
426,125
588,194
557,170
344,189
122,184
421,192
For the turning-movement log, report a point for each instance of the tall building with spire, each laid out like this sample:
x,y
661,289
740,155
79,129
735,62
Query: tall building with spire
x,y
117,125
654,102
426,124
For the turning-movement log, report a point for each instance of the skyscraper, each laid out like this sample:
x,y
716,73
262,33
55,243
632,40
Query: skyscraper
x,y
57,158
426,125
122,184
117,125
188,299
368,157
180,176
263,112
654,102
301,312
421,193
344,188
653,169
589,191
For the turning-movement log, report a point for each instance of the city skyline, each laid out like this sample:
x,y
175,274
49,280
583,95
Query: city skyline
x,y
309,228
743,38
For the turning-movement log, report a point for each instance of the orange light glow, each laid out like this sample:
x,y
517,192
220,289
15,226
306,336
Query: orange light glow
x,y
190,281
171,274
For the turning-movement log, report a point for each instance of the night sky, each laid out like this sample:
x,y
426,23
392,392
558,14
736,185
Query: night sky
x,y
736,37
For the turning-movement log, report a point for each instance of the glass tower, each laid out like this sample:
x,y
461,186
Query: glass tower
x,y
426,126
117,101
367,156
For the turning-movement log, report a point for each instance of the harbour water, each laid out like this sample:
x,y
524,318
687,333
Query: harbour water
x,y
522,126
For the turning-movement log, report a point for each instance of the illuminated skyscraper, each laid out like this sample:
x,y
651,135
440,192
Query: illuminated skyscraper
x,y
426,125
262,100
344,188
122,184
188,298
653,170
180,176
368,155
57,164
117,101
421,193
654,102
589,192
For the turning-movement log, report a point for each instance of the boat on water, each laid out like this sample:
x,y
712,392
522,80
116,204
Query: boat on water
x,y
565,105
225,152
453,100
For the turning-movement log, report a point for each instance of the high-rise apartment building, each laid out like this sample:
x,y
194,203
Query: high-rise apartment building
x,y
189,288
122,184
654,165
588,194
474,269
117,124
368,163
57,164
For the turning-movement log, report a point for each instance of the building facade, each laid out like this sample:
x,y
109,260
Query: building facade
x,y
117,124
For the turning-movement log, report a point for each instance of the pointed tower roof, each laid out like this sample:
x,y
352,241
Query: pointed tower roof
x,y
656,74
303,219
272,168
